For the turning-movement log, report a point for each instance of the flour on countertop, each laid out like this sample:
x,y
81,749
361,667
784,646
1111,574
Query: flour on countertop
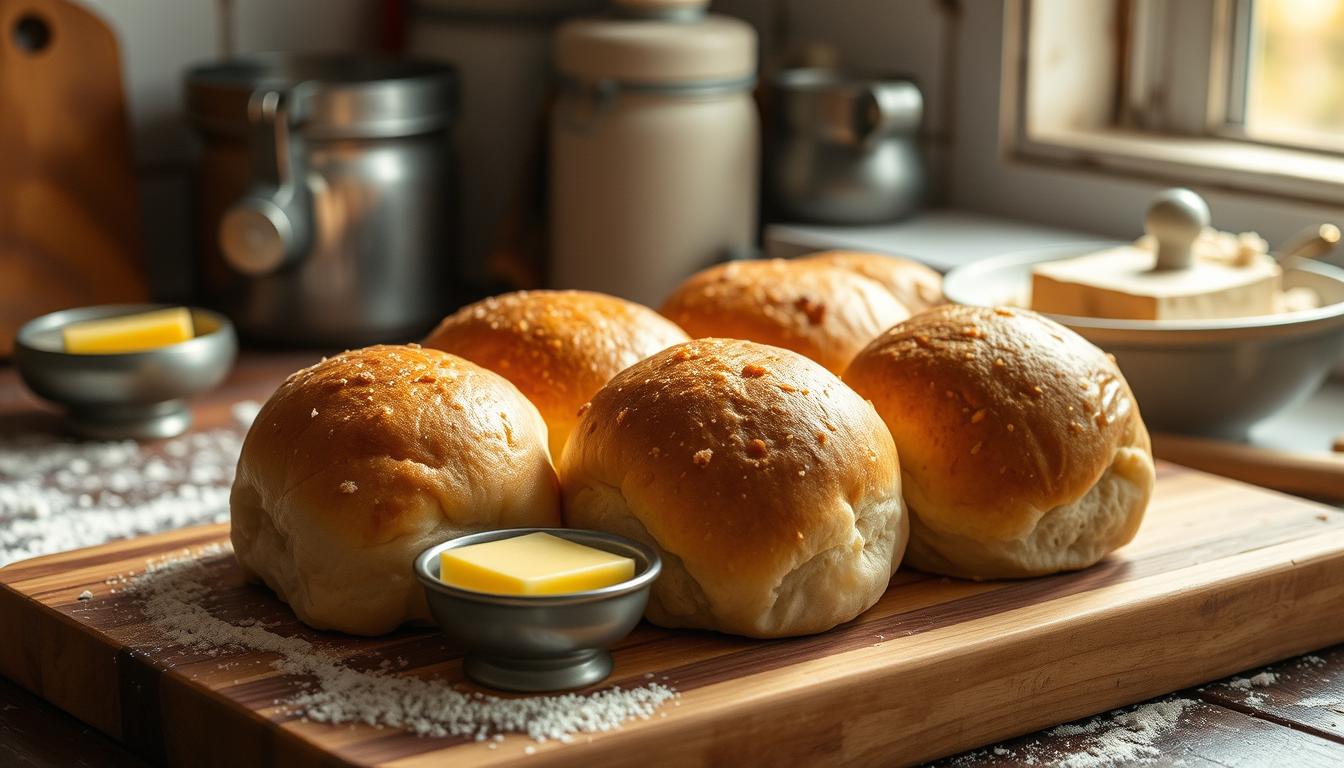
x,y
173,593
58,494
1122,736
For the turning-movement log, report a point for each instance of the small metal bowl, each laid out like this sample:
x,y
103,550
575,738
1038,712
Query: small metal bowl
x,y
543,642
130,394
1216,377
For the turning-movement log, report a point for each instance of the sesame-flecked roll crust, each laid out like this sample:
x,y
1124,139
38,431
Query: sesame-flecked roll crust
x,y
358,463
557,347
770,488
1022,448
913,284
818,310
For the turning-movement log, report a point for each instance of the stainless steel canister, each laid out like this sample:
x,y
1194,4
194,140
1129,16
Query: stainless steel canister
x,y
327,195
844,150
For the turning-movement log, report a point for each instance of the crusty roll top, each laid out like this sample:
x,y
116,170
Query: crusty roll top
x,y
557,347
821,311
358,463
744,462
357,438
1001,415
913,284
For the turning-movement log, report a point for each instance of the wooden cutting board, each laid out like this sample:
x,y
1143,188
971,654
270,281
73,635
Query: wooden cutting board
x,y
69,214
1222,577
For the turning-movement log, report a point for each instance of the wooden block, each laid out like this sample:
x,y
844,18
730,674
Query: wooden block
x,y
1119,283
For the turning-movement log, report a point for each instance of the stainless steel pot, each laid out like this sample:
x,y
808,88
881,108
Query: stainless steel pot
x,y
327,195
844,150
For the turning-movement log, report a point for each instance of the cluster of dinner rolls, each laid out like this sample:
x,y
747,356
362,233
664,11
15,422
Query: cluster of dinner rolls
x,y
973,442
1022,449
557,347
357,464
771,490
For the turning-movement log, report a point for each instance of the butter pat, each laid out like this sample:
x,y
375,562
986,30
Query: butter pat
x,y
129,333
532,564
1120,284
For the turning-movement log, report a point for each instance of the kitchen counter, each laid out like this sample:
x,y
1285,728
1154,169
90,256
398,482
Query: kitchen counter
x,y
1291,713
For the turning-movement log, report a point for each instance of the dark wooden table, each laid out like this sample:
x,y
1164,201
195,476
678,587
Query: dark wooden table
x,y
1295,720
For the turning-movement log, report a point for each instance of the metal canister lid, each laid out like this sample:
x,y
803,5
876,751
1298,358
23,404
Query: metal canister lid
x,y
342,95
657,51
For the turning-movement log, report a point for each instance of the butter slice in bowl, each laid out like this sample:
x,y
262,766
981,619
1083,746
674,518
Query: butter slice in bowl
x,y
129,333
533,564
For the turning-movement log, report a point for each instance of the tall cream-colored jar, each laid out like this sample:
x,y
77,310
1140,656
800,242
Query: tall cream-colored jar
x,y
655,145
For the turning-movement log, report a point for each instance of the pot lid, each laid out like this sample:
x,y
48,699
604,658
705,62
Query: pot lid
x,y
657,50
339,95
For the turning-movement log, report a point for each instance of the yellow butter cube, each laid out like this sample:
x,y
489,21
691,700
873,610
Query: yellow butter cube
x,y
532,564
129,333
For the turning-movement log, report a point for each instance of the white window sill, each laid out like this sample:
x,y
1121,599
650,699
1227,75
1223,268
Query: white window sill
x,y
1294,174
941,238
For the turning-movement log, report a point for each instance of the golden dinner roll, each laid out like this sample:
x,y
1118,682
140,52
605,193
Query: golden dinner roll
x,y
913,284
1022,449
557,347
357,464
824,312
771,490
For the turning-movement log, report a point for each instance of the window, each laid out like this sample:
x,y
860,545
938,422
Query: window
x,y
1244,94
1287,83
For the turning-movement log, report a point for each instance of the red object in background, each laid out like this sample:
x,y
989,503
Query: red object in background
x,y
393,33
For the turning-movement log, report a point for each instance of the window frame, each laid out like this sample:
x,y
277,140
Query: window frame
x,y
1171,120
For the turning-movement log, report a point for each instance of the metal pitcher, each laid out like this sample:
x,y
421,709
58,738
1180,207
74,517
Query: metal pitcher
x,y
844,150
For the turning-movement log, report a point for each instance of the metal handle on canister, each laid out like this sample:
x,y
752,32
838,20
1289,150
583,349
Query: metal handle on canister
x,y
270,226
884,108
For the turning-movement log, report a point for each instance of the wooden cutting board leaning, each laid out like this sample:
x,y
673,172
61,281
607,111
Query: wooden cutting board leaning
x,y
1222,577
69,215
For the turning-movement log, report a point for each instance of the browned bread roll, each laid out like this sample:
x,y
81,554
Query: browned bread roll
x,y
357,464
557,347
1022,449
913,284
770,488
824,312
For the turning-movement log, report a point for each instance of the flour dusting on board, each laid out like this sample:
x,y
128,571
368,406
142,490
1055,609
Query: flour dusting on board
x,y
173,592
57,495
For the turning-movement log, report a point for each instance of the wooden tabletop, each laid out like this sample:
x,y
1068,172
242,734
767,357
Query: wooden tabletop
x,y
1291,713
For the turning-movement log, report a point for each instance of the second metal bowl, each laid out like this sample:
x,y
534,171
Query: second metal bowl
x,y
1205,377
130,394
540,642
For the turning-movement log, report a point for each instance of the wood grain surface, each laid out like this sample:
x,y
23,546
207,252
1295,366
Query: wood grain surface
x,y
69,213
1222,577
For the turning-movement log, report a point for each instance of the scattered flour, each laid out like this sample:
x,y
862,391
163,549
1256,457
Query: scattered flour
x,y
1124,735
1327,700
1119,737
57,495
173,592
1262,680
